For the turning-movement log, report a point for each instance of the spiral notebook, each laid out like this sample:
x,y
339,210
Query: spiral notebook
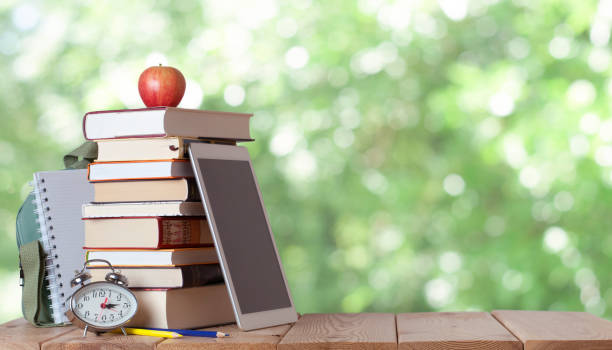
x,y
59,197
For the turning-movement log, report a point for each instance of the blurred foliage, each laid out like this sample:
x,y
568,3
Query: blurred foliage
x,y
413,155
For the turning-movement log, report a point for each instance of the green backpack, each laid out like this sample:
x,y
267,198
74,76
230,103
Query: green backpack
x,y
35,303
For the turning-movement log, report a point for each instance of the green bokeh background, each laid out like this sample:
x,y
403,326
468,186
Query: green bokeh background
x,y
413,155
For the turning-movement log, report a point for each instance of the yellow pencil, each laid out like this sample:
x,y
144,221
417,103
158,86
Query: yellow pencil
x,y
151,333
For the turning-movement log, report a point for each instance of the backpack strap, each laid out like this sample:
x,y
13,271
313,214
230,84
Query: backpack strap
x,y
81,156
34,292
32,262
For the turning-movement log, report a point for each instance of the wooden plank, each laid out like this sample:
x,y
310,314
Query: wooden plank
x,y
75,341
19,334
261,339
552,330
355,331
453,330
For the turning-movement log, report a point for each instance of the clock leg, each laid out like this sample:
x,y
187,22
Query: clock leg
x,y
124,332
85,331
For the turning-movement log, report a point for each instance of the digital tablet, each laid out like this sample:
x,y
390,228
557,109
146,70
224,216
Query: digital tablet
x,y
241,232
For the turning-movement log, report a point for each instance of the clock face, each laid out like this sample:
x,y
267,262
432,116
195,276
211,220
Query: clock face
x,y
103,305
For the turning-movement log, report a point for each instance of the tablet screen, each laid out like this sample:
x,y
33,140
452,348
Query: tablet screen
x,y
244,235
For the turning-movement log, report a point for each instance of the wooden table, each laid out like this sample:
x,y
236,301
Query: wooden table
x,y
499,330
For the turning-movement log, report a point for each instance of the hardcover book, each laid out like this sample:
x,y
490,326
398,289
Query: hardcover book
x,y
147,232
110,150
131,209
159,257
166,121
139,170
183,308
165,277
182,189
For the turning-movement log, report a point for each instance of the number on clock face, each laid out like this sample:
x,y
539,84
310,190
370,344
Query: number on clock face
x,y
103,304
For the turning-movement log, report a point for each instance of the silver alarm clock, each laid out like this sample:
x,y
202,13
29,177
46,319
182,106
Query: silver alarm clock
x,y
101,306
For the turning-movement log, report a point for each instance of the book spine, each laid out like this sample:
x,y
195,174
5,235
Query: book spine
x,y
183,150
193,194
201,275
175,233
47,239
83,127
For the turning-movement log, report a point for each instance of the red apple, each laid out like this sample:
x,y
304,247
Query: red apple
x,y
161,86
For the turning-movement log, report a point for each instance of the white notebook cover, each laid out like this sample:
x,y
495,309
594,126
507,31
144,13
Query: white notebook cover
x,y
59,198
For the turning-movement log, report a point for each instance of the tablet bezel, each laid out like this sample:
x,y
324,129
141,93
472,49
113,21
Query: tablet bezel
x,y
252,320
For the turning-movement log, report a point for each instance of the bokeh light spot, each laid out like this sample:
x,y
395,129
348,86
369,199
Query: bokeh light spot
x,y
501,104
559,47
25,16
297,57
529,177
589,123
439,292
555,239
286,27
454,9
234,95
564,201
450,262
512,280
581,93
193,95
453,184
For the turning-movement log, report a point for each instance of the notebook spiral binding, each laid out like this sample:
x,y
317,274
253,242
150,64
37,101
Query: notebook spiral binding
x,y
47,238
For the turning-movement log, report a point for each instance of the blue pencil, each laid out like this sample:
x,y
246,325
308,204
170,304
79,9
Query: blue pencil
x,y
192,333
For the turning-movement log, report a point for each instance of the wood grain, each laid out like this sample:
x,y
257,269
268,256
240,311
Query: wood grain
x,y
453,330
21,335
75,341
261,339
538,330
552,330
354,331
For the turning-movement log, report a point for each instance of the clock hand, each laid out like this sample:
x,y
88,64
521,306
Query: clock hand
x,y
110,306
103,306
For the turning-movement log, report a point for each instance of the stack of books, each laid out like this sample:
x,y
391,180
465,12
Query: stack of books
x,y
147,218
